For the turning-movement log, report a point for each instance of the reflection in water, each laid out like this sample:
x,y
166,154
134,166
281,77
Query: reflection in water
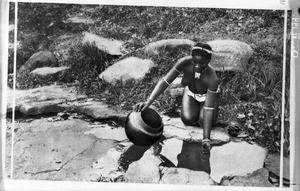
x,y
190,157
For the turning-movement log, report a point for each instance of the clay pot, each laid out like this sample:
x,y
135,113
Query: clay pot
x,y
144,128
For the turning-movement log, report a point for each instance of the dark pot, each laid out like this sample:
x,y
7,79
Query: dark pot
x,y
144,128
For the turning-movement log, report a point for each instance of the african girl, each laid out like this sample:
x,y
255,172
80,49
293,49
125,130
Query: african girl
x,y
200,98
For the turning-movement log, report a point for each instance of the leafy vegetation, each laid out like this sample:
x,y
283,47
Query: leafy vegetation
x,y
251,98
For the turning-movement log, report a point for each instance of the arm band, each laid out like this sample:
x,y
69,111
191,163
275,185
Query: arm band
x,y
166,81
208,108
177,70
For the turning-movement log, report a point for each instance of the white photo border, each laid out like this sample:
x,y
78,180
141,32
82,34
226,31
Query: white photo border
x,y
230,4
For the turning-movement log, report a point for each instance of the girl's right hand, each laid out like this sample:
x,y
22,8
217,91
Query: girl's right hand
x,y
140,106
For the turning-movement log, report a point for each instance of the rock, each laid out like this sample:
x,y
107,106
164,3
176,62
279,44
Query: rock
x,y
176,83
167,44
174,127
97,110
40,59
185,176
257,178
175,92
145,170
48,70
230,55
54,150
236,159
129,68
80,20
111,46
108,166
190,157
108,132
171,148
42,100
272,163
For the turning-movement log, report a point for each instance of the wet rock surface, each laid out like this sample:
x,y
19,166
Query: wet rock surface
x,y
70,146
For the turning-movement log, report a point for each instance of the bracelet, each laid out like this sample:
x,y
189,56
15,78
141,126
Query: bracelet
x,y
166,81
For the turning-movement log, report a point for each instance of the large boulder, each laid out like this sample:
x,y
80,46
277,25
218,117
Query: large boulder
x,y
129,68
185,176
40,59
167,44
236,159
110,46
230,55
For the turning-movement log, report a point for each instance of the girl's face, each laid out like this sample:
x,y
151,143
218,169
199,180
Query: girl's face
x,y
200,63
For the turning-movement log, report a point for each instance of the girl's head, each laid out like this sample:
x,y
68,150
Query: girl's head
x,y
203,50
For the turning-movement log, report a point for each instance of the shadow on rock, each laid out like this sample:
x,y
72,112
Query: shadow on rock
x,y
190,157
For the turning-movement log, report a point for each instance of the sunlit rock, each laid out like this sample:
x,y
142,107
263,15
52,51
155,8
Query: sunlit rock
x,y
127,69
111,46
168,45
236,159
44,71
230,55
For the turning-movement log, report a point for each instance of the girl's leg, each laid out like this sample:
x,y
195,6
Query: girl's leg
x,y
190,109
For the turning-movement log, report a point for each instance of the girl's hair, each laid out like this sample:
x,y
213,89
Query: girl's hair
x,y
201,49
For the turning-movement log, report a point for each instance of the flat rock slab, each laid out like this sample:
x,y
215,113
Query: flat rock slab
x,y
44,71
111,46
80,20
96,109
185,176
167,44
258,178
230,55
171,148
272,163
145,170
54,150
174,127
127,69
236,159
108,132
46,99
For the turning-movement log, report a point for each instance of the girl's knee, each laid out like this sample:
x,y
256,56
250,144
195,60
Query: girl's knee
x,y
189,120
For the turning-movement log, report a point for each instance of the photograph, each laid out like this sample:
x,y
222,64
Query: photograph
x,y
148,95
